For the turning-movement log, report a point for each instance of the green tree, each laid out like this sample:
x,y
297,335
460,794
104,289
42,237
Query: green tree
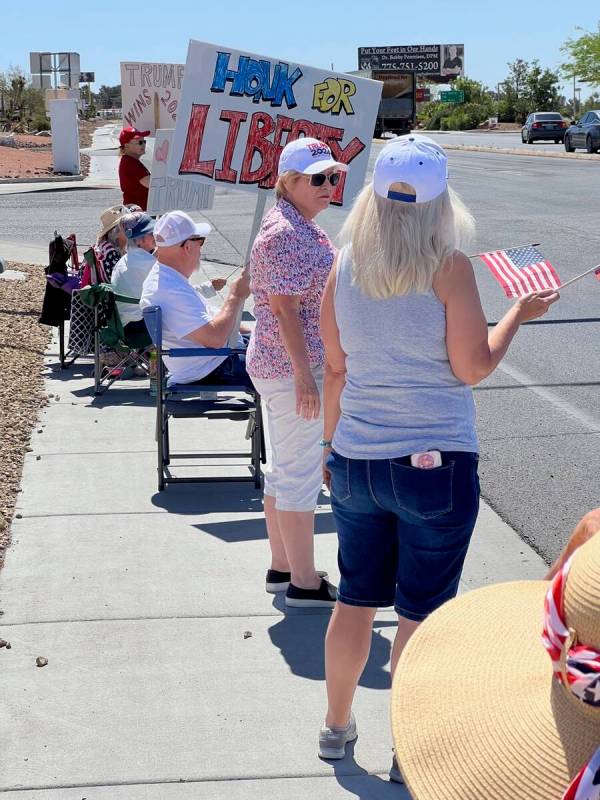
x,y
584,57
527,88
542,88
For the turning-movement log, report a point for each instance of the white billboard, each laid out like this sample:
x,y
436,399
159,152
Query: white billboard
x,y
150,94
238,110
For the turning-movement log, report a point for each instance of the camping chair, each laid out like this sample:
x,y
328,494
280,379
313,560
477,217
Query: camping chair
x,y
62,271
108,331
179,402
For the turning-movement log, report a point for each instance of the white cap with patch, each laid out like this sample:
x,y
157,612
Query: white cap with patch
x,y
415,160
308,156
177,226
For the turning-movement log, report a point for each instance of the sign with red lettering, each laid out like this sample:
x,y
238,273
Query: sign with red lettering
x,y
150,94
238,110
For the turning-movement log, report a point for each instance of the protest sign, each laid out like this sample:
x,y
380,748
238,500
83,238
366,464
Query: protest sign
x,y
238,110
166,193
150,94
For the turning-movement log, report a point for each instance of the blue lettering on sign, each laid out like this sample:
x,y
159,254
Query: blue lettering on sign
x,y
253,79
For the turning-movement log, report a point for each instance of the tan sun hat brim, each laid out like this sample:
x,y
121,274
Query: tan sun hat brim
x,y
475,711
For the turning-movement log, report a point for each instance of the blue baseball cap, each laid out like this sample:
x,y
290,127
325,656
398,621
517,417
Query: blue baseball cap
x,y
144,225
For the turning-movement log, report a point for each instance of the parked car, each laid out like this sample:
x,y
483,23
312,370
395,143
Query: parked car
x,y
584,133
544,125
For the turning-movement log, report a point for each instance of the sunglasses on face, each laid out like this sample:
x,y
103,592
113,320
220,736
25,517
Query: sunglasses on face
x,y
200,239
140,141
320,178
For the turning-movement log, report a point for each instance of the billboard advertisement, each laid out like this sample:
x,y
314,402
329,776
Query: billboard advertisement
x,y
445,60
238,110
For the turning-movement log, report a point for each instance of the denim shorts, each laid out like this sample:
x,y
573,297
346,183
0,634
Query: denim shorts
x,y
403,532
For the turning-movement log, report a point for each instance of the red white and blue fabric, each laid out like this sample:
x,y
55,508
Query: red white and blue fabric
x,y
586,784
521,270
582,673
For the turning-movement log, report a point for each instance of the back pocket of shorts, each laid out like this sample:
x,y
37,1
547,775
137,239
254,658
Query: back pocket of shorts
x,y
339,469
425,493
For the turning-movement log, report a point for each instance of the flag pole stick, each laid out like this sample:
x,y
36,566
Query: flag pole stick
x,y
478,255
577,277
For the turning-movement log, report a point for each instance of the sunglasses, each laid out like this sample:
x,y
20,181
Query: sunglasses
x,y
200,239
140,141
320,178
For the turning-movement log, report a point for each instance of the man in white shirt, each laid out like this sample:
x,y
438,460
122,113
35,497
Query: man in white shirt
x,y
132,269
187,321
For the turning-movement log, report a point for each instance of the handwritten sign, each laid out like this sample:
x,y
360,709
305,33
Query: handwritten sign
x,y
238,110
168,194
150,94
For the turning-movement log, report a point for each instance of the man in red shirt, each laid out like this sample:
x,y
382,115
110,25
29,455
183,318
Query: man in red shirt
x,y
133,175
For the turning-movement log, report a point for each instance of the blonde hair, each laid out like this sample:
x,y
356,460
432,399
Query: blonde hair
x,y
283,181
397,247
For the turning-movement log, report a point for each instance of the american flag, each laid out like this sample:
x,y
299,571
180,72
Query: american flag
x,y
521,270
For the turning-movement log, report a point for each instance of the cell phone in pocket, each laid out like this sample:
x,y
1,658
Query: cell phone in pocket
x,y
428,460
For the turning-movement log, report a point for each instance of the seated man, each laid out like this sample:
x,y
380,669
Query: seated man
x,y
132,269
187,320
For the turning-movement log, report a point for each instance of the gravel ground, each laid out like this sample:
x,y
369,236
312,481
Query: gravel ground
x,y
32,158
22,344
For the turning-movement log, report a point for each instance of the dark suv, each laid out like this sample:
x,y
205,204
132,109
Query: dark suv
x,y
584,133
543,125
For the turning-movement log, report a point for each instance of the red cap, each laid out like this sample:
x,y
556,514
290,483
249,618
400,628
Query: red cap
x,y
127,134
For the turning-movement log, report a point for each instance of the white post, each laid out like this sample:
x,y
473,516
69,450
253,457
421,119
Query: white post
x,y
261,200
65,136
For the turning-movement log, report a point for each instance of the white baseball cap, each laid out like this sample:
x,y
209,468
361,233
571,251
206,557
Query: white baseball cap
x,y
177,226
308,156
416,160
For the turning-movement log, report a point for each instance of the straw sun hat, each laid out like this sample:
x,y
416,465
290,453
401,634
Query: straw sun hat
x,y
111,218
483,709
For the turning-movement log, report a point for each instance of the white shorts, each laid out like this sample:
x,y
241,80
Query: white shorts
x,y
294,476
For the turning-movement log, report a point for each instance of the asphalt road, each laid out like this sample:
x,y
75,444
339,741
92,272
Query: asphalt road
x,y
493,139
539,413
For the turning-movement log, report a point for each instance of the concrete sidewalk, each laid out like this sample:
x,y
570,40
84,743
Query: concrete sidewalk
x,y
172,675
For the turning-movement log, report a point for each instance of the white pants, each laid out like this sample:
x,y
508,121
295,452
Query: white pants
x,y
294,476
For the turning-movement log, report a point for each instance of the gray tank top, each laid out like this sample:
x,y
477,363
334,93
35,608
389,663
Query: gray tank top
x,y
401,396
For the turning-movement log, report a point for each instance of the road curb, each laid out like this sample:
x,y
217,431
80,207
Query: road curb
x,y
511,151
44,179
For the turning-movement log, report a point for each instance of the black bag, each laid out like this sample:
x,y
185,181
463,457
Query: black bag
x,y
56,307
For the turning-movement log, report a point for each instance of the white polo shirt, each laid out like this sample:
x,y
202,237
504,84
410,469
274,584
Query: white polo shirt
x,y
183,311
128,277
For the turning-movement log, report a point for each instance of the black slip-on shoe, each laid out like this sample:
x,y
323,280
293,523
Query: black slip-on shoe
x,y
323,597
279,581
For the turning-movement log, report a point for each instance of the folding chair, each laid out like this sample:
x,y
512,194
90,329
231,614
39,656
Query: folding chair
x,y
109,331
179,402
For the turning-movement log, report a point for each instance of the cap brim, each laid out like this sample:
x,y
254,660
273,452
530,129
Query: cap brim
x,y
149,228
321,166
475,709
203,229
140,134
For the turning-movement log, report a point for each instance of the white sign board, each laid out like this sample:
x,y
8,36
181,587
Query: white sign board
x,y
150,94
65,136
167,194
238,110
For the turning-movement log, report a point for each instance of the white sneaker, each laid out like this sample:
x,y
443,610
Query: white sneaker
x,y
333,741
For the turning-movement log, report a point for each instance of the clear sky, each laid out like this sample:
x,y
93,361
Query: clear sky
x,y
106,32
